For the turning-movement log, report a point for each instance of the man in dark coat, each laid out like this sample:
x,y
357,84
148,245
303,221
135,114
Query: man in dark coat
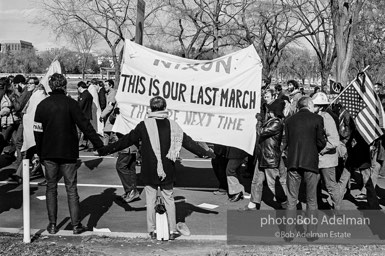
x,y
305,139
85,100
161,139
102,93
56,139
279,93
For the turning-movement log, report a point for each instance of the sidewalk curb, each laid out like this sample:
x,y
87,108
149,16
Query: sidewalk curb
x,y
44,232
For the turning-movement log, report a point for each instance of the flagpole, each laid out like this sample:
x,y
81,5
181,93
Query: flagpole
x,y
348,86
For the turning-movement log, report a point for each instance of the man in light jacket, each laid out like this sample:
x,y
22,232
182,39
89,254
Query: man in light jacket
x,y
295,95
328,157
111,101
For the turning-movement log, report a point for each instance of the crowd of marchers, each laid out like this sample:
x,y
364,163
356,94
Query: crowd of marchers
x,y
304,139
300,138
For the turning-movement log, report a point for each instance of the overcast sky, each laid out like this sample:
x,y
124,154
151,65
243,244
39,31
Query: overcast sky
x,y
16,23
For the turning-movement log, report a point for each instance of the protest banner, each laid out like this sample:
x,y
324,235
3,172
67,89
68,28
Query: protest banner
x,y
212,100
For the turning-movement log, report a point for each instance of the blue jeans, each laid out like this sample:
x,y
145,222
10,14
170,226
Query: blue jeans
x,y
54,171
294,178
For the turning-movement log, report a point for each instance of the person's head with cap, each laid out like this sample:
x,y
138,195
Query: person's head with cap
x,y
275,109
58,83
321,101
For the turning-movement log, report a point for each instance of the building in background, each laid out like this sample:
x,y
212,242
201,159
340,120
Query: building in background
x,y
15,45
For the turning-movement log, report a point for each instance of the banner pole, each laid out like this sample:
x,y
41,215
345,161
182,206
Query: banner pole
x,y
26,203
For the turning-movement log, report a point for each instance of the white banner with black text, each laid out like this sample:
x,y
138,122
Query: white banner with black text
x,y
213,101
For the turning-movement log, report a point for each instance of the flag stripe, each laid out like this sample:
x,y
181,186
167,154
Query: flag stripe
x,y
381,112
364,119
365,98
364,133
371,119
365,108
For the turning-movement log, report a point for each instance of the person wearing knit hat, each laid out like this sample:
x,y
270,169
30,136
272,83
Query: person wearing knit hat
x,y
267,168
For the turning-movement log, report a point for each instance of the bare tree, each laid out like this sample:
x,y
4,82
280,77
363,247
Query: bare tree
x,y
83,38
315,16
112,20
345,15
200,26
369,42
270,26
296,63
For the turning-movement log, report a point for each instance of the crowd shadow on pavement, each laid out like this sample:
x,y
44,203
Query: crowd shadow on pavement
x,y
184,209
6,173
126,206
11,197
95,206
194,177
92,164
381,194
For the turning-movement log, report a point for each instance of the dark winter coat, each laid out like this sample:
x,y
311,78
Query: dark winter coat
x,y
305,137
85,104
282,96
149,173
270,140
55,130
102,94
359,156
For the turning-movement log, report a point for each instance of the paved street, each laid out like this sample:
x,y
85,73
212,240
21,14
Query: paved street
x,y
99,186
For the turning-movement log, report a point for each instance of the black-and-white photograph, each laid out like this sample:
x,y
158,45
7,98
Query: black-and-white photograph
x,y
192,127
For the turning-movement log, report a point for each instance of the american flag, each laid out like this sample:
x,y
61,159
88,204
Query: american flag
x,y
365,109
